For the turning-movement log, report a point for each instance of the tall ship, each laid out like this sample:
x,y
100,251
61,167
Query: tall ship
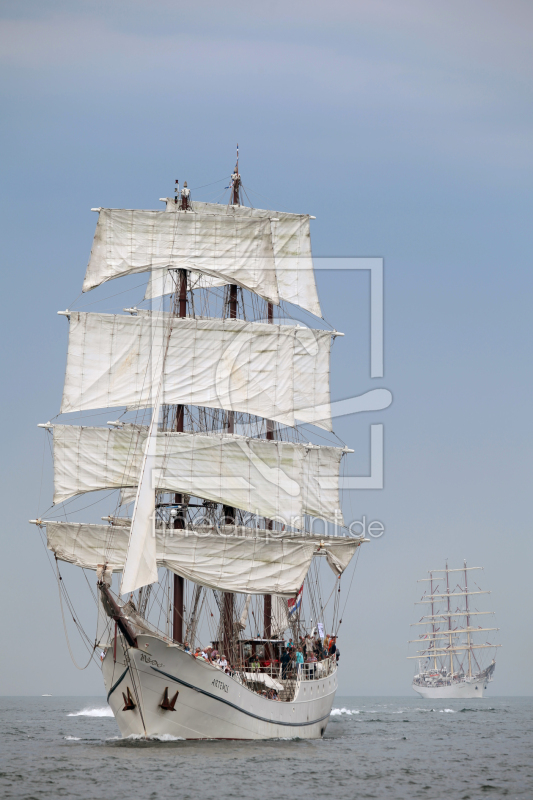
x,y
455,659
218,562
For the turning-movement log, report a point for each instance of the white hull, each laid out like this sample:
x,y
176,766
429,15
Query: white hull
x,y
464,689
210,704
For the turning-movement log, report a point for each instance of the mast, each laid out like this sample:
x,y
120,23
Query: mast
x,y
229,513
267,604
236,184
267,607
468,628
179,520
449,619
180,310
432,613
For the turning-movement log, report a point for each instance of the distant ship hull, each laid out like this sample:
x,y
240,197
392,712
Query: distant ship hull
x,y
210,703
468,687
463,689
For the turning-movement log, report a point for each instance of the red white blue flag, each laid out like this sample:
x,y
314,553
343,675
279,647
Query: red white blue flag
x,y
295,602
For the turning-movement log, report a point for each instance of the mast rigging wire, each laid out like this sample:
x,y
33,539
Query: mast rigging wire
x,y
80,629
62,589
349,589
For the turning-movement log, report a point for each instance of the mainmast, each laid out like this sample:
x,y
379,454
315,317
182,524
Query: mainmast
x,y
267,608
236,184
468,627
433,613
449,618
228,511
229,518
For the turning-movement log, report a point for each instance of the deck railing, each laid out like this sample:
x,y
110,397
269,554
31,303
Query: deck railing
x,y
305,672
289,679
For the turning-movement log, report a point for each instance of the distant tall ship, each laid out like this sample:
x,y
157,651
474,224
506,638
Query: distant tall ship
x,y
218,627
453,660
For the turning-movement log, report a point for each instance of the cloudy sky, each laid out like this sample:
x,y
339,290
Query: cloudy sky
x,y
405,127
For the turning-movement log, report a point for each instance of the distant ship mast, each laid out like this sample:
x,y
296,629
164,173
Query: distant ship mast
x,y
447,646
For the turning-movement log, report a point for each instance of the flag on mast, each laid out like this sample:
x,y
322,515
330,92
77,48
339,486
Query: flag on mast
x,y
295,602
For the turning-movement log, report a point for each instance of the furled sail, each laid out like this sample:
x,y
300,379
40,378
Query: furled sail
x,y
140,567
230,559
130,241
264,477
241,624
291,243
279,372
279,616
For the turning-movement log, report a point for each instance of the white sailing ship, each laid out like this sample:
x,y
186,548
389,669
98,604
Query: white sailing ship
x,y
451,661
217,483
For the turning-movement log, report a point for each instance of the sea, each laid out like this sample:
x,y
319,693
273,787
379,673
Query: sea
x,y
374,747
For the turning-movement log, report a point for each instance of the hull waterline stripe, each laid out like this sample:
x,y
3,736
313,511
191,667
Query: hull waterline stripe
x,y
116,684
238,708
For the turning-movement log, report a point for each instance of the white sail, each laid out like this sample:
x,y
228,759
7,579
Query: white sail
x,y
268,478
291,242
279,616
338,556
127,496
140,566
321,482
278,372
244,616
131,241
232,559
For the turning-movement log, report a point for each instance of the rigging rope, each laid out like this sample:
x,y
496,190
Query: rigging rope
x,y
349,589
80,629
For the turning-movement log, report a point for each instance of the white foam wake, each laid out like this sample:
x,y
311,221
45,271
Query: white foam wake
x,y
336,711
103,711
72,739
156,737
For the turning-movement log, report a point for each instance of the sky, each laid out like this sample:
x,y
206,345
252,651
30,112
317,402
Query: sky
x,y
405,127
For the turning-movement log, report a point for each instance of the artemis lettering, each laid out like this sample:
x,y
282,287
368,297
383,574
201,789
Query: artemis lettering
x,y
148,660
220,685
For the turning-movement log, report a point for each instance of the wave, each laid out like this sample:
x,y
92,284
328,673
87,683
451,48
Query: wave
x,y
103,711
137,737
475,710
337,711
72,738
350,712
284,739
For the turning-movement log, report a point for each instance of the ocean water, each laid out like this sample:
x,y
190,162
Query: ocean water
x,y
69,747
